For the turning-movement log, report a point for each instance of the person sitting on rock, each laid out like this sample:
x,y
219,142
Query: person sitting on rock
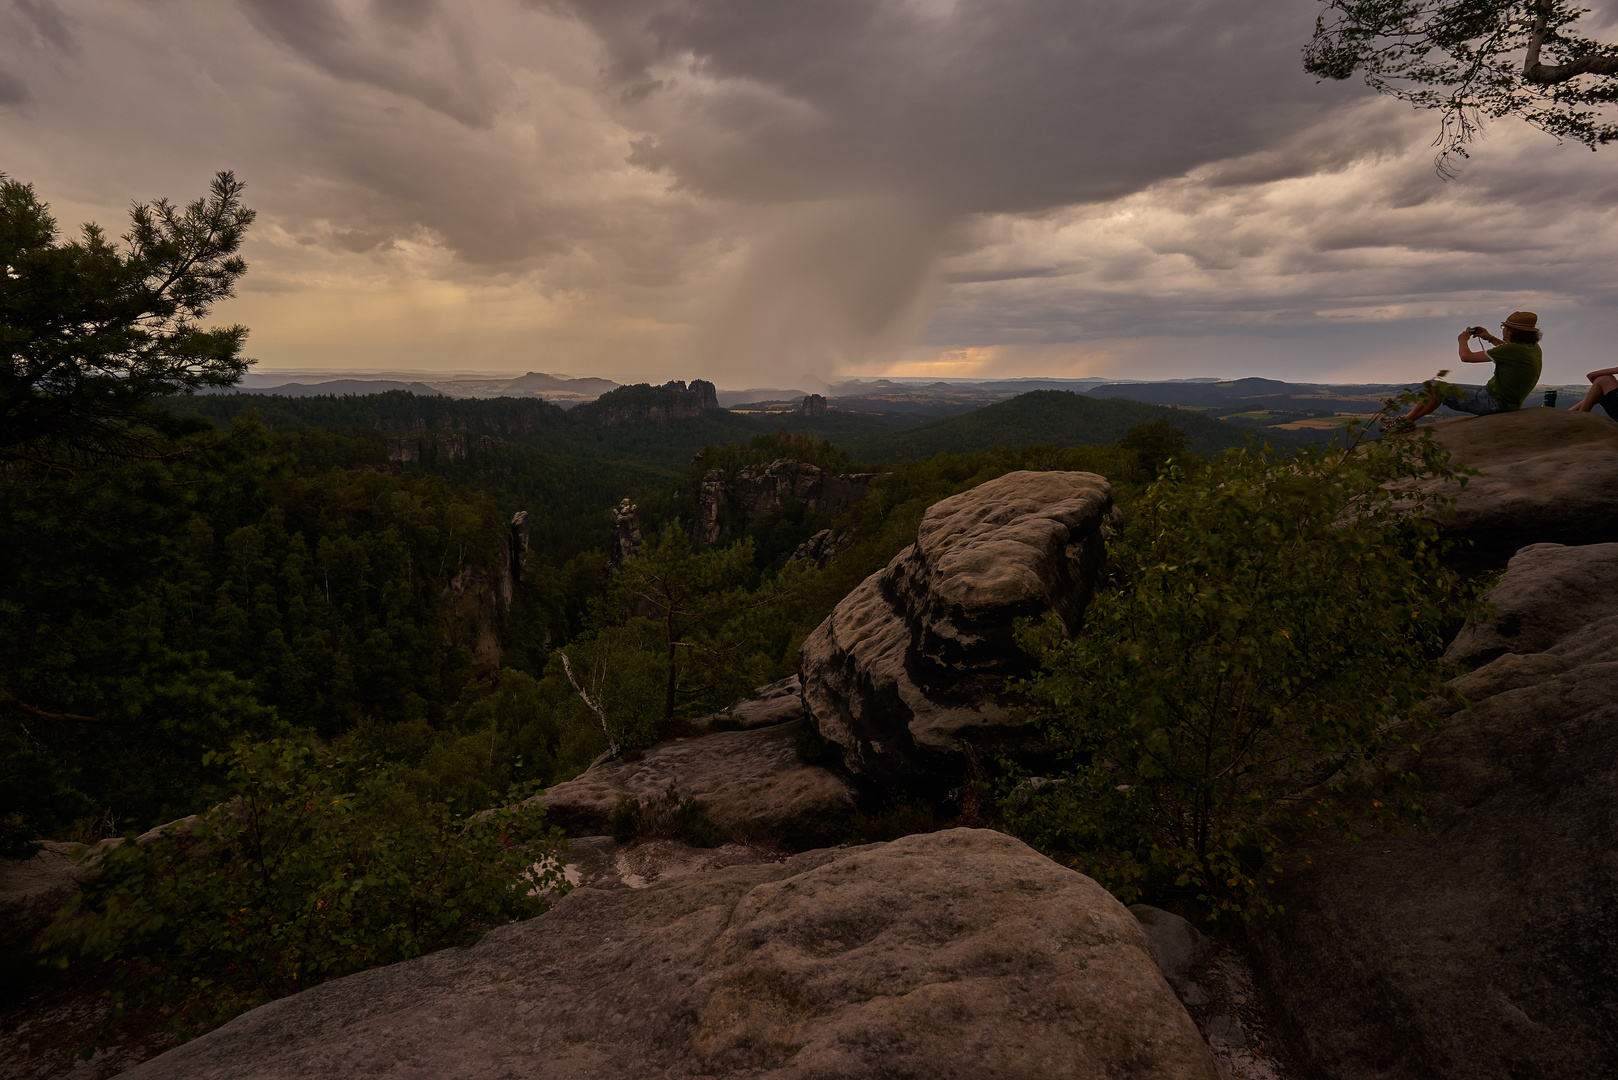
x,y
1603,392
1517,364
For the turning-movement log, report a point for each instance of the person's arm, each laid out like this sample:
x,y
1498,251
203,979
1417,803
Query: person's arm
x,y
1468,354
1594,375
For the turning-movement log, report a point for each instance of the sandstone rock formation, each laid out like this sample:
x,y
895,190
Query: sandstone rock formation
x,y
750,782
1484,946
476,596
953,954
780,702
727,504
643,403
913,663
624,538
824,546
813,405
1552,477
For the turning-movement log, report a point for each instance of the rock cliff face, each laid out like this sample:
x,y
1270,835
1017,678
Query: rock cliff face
x,y
1485,945
727,504
643,403
476,596
912,664
440,445
1552,477
953,954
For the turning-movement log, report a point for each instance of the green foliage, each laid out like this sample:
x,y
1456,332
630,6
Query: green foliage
x,y
664,817
89,332
317,868
1474,59
708,624
1155,445
1265,653
152,610
1053,417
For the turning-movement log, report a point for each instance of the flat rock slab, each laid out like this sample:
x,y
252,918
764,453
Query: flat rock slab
x,y
750,782
1484,946
953,954
1551,476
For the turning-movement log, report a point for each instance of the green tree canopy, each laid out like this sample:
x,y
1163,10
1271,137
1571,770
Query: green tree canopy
x,y
1261,659
90,331
1474,60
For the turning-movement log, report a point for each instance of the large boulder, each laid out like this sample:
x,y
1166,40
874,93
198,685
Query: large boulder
x,y
751,783
911,667
1550,475
954,954
1486,945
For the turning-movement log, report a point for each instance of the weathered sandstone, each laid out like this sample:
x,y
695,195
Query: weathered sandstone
x,y
954,954
1551,477
751,783
1485,945
912,665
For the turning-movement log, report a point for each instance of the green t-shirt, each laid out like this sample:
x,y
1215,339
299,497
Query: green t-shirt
x,y
1516,371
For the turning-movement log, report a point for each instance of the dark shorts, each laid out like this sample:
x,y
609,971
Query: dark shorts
x,y
1610,403
1475,400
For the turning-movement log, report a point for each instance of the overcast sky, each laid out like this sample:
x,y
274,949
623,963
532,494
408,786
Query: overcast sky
x,y
753,190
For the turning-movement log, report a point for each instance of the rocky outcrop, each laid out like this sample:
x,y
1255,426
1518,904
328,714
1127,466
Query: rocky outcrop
x,y
812,405
1485,945
643,403
824,546
727,504
780,702
912,665
623,540
952,954
438,446
476,595
751,783
1551,476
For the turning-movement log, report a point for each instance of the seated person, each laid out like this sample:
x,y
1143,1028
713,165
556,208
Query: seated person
x,y
1603,392
1517,364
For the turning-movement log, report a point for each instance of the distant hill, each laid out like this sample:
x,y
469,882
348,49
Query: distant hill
x,y
536,382
1049,416
335,387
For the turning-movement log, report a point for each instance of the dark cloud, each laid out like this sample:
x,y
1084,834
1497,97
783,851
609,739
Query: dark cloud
x,y
977,105
13,91
320,33
49,23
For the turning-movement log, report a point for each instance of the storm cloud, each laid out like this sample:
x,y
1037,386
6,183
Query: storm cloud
x,y
753,191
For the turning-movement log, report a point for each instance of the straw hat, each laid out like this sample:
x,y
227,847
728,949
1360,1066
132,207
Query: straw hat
x,y
1523,320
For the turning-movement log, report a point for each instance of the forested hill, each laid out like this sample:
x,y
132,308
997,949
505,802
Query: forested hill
x,y
1059,417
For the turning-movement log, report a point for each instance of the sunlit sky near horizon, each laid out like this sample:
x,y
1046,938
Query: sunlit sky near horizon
x,y
751,191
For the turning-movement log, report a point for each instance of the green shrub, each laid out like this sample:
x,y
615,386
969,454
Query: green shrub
x,y
1261,659
318,868
664,817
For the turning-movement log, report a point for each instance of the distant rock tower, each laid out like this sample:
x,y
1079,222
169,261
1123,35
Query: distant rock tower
x,y
813,405
625,540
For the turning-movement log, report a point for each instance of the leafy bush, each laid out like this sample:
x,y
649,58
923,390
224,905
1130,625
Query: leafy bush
x,y
318,868
664,817
1261,659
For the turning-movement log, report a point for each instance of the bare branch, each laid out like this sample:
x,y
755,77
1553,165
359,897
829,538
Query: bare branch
x,y
601,714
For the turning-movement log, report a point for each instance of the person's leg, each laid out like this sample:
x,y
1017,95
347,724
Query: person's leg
x,y
1603,385
1423,408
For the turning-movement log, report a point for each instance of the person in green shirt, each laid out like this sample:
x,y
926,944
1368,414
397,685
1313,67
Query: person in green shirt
x,y
1517,363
